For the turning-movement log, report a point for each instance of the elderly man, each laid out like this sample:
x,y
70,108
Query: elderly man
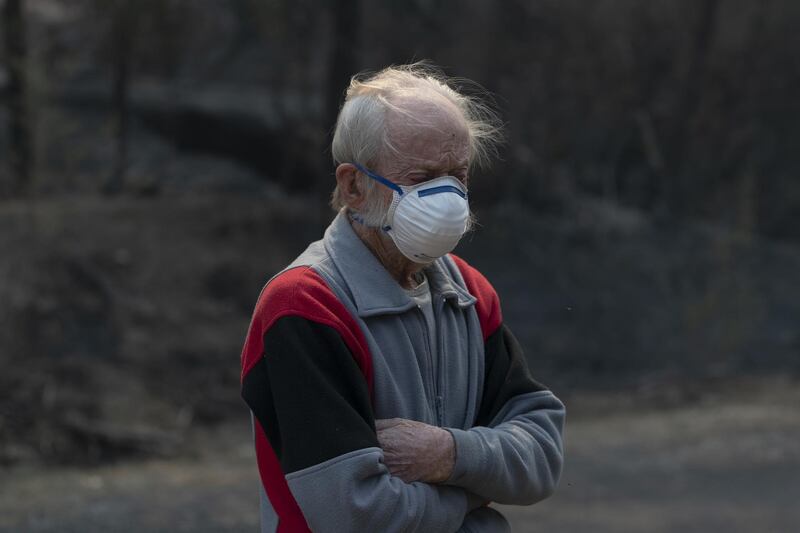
x,y
387,393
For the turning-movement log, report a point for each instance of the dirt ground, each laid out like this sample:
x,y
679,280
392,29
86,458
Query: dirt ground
x,y
730,462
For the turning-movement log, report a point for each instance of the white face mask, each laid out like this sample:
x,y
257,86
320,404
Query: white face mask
x,y
427,220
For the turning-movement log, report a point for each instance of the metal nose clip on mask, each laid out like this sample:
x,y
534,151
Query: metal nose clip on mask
x,y
427,220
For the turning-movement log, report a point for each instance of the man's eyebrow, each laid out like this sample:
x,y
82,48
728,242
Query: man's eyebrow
x,y
418,167
447,164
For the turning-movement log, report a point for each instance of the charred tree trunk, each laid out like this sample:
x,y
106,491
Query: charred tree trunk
x,y
122,29
749,180
21,150
343,62
680,184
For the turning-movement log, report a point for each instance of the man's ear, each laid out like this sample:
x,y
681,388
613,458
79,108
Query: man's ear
x,y
349,185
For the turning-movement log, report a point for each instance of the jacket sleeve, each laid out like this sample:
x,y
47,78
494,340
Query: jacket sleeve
x,y
514,452
312,401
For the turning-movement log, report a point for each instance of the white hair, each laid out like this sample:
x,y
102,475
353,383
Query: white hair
x,y
361,135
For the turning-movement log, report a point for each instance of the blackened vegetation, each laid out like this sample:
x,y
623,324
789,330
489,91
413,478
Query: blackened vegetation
x,y
642,225
20,150
269,151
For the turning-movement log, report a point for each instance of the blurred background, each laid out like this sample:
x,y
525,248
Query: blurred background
x,y
161,159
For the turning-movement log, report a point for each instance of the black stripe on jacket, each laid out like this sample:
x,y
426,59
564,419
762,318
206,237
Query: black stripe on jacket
x,y
506,374
309,395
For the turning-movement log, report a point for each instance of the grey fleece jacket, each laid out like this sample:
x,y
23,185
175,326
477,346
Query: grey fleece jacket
x,y
336,343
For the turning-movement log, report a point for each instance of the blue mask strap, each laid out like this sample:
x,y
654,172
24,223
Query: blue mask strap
x,y
379,179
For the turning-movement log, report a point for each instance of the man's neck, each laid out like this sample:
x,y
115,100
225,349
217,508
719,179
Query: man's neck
x,y
381,246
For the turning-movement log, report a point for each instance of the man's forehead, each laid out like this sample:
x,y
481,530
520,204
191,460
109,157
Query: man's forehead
x,y
410,114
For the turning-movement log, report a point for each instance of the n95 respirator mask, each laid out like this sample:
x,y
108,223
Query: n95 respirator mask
x,y
427,220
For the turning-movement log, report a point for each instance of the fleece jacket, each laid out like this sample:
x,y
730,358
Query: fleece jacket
x,y
336,343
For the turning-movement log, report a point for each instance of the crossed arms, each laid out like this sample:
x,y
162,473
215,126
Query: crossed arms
x,y
348,472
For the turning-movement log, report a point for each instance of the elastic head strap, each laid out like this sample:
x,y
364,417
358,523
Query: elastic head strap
x,y
379,178
440,189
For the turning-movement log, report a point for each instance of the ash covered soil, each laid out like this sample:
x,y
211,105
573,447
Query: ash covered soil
x,y
728,462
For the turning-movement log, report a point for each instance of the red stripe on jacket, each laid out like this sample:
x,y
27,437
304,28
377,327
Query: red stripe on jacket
x,y
290,517
299,292
488,304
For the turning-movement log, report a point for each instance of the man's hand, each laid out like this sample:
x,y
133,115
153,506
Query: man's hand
x,y
414,451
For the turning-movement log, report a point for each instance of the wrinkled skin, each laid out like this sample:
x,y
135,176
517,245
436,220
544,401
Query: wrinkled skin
x,y
430,138
414,451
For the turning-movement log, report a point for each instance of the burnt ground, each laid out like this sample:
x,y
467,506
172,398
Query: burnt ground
x,y
729,462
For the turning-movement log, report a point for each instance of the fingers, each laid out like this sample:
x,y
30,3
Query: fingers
x,y
403,471
415,451
386,423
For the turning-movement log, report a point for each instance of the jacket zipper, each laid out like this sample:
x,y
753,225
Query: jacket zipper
x,y
431,378
437,312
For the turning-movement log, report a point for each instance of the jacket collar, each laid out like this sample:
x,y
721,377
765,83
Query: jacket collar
x,y
374,290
